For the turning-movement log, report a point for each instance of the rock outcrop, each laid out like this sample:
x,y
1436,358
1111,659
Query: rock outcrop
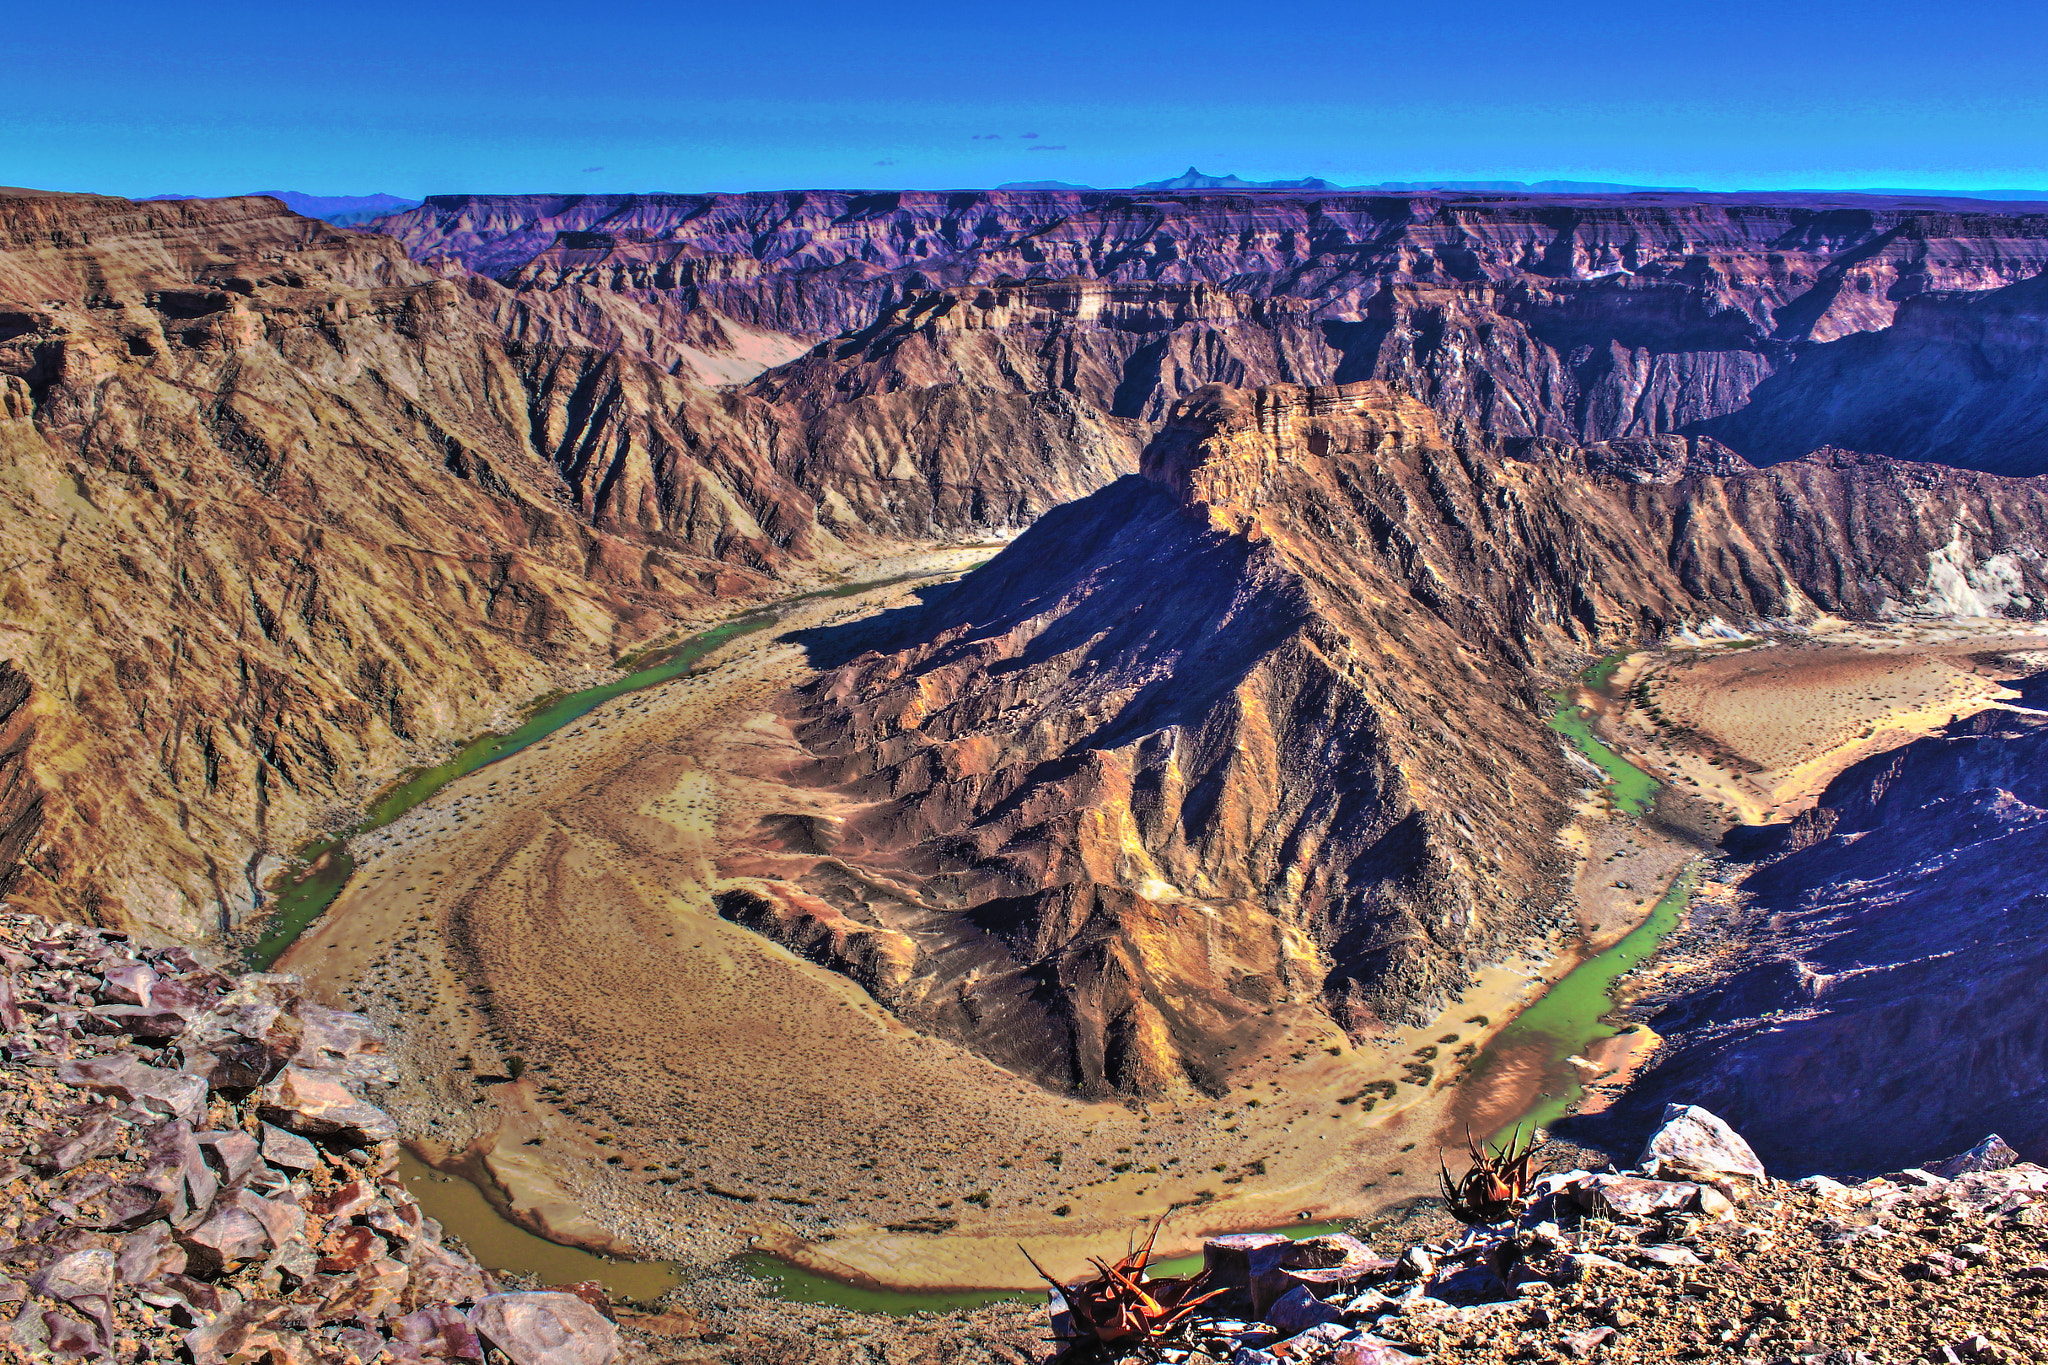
x,y
193,1170
1511,315
1880,995
281,512
1268,723
1627,1267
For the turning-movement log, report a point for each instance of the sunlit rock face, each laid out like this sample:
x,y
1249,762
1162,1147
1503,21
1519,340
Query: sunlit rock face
x,y
1890,1000
1267,723
1511,316
279,509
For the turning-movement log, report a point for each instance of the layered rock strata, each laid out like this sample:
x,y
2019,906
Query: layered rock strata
x,y
1877,991
1268,724
1585,319
282,513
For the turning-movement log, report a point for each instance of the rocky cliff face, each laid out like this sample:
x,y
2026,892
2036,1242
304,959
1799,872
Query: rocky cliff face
x,y
1267,723
1957,378
1510,315
1885,986
281,510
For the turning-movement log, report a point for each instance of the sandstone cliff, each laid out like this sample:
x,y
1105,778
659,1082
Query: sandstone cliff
x,y
281,511
1268,723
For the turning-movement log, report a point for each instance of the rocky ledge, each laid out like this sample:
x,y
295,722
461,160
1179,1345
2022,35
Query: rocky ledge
x,y
1696,1254
190,1169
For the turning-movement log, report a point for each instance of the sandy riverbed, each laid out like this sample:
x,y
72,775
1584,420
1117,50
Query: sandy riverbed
x,y
687,1088
1760,726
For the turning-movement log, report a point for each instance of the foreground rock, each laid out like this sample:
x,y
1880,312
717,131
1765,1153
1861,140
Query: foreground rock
x,y
1621,1267
191,1170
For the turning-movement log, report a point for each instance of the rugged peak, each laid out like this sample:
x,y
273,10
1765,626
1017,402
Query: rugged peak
x,y
1224,446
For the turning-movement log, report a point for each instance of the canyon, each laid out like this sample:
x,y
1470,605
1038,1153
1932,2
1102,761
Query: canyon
x,y
1175,771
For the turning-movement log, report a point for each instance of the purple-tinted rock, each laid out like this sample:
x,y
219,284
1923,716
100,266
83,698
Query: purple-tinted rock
x,y
230,1236
282,1223
234,1153
69,1336
173,1093
439,1332
440,1276
1694,1142
126,983
148,1255
1629,1198
314,1103
546,1329
289,1151
1298,1310
80,1274
97,1134
177,1167
1992,1154
1371,1351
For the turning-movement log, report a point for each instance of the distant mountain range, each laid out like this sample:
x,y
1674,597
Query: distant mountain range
x,y
343,210
1193,179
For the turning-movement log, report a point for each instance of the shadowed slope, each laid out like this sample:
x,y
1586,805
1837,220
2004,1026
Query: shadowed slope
x,y
1268,723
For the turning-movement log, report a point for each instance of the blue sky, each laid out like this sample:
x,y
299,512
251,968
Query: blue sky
x,y
449,97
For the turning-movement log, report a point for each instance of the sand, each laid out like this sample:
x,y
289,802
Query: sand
x,y
1760,726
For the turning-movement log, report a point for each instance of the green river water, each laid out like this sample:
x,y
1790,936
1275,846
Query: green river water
x,y
1561,1024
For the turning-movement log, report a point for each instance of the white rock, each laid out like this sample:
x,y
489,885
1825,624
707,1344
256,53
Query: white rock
x,y
1695,1142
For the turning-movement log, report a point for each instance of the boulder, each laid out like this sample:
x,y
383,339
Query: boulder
x,y
176,1094
1992,1154
79,1275
1693,1142
546,1329
1298,1310
318,1104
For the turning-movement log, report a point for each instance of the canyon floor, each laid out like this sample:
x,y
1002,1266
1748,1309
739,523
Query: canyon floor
x,y
684,1088
1758,726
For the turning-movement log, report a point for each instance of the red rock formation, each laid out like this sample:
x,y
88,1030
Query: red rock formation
x,y
1586,319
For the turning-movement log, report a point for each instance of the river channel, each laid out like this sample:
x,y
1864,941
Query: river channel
x,y
1557,1026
